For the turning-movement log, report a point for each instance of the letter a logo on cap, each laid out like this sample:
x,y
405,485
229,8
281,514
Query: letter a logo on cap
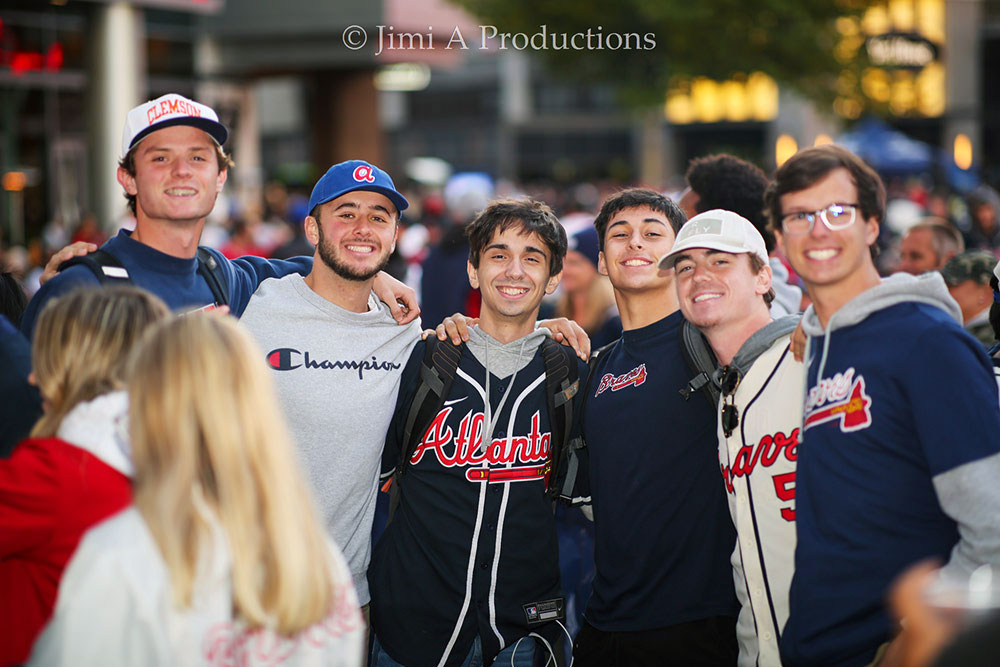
x,y
364,173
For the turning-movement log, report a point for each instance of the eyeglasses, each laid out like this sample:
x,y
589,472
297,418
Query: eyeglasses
x,y
834,216
730,414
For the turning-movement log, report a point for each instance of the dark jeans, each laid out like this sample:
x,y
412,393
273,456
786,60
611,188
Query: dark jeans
x,y
709,642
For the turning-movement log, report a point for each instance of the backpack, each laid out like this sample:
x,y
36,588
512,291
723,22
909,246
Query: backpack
x,y
702,362
109,271
437,372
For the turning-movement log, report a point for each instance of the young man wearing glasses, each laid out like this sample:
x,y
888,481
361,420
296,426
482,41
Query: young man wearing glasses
x,y
900,445
663,591
723,279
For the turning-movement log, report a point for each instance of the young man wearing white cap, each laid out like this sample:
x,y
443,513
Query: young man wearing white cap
x,y
172,169
900,439
723,281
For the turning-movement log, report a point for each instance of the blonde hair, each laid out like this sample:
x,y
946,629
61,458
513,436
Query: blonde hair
x,y
206,431
82,344
600,299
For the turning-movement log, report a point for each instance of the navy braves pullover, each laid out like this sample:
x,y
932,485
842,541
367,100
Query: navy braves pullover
x,y
898,461
662,532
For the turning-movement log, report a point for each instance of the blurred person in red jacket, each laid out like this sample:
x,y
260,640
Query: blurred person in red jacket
x,y
76,469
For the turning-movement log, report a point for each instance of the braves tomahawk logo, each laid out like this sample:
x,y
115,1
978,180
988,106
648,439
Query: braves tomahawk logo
x,y
840,398
634,377
364,174
461,448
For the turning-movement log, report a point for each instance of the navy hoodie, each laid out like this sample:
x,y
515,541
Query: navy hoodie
x,y
898,462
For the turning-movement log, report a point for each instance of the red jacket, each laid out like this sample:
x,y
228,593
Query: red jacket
x,y
51,492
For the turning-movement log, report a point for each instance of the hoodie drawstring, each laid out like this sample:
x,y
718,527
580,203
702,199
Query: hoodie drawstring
x,y
488,423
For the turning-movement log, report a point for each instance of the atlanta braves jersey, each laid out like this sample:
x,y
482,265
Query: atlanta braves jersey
x,y
472,547
897,461
758,466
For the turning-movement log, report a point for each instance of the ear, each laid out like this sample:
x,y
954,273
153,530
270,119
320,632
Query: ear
x,y
553,283
779,238
220,180
602,265
763,281
127,181
473,275
871,230
311,226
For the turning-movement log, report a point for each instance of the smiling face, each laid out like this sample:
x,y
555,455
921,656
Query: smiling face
x,y
354,234
634,240
512,276
177,176
716,289
830,261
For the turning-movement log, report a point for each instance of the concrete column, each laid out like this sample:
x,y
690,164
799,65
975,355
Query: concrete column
x,y
962,60
516,104
344,118
117,82
652,146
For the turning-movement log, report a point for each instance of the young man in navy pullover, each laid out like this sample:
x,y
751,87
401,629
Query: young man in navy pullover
x,y
900,446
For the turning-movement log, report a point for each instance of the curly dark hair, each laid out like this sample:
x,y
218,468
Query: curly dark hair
x,y
727,182
528,214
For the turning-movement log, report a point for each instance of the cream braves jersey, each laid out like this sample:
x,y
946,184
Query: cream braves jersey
x,y
758,465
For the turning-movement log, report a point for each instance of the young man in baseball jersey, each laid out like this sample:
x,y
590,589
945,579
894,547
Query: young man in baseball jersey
x,y
467,570
900,445
663,592
723,279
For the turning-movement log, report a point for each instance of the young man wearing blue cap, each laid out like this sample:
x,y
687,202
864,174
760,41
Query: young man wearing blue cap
x,y
336,350
173,168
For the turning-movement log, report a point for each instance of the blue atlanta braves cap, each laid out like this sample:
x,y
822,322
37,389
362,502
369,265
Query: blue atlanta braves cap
x,y
354,175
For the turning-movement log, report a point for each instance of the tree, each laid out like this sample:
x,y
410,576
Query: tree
x,y
791,40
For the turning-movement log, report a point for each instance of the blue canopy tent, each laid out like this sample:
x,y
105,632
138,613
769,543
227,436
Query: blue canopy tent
x,y
891,152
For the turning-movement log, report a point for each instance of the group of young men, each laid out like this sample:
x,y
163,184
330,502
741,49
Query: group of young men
x,y
739,522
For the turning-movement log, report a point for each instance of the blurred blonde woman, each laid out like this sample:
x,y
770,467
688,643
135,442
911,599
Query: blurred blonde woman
x,y
221,561
74,471
587,296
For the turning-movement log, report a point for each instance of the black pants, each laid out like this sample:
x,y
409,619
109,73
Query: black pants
x,y
709,642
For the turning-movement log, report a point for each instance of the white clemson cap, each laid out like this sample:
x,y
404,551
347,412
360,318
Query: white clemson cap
x,y
170,109
717,230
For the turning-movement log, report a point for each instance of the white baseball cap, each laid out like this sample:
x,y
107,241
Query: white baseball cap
x,y
717,230
170,109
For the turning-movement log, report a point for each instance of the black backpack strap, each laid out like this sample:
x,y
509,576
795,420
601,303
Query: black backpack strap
x,y
562,382
565,492
701,361
210,269
437,372
105,267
